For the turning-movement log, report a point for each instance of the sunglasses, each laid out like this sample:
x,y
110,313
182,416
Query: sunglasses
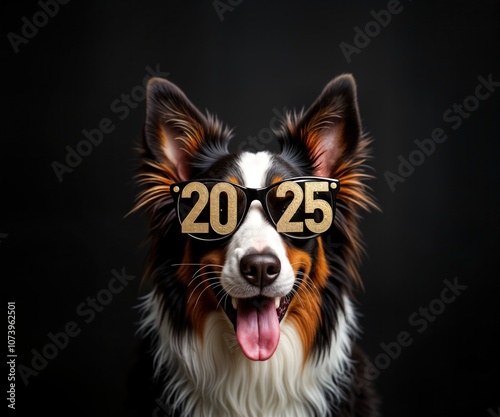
x,y
210,210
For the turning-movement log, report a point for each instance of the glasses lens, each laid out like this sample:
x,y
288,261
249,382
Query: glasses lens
x,y
301,208
210,210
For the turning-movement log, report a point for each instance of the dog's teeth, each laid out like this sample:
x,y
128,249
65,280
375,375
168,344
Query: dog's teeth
x,y
277,302
234,302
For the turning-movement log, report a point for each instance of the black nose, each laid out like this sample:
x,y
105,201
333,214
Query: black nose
x,y
260,269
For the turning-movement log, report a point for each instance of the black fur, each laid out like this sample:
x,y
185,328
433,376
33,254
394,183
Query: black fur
x,y
170,111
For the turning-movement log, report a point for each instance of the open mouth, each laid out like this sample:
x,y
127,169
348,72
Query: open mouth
x,y
256,321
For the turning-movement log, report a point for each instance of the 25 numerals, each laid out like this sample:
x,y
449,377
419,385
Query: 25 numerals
x,y
286,225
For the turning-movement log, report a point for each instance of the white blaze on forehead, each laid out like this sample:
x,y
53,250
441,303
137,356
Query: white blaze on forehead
x,y
255,234
254,167
256,229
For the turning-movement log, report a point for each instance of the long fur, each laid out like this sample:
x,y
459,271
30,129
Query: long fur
x,y
316,369
226,384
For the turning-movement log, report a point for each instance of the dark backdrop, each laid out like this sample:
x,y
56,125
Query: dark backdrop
x,y
62,240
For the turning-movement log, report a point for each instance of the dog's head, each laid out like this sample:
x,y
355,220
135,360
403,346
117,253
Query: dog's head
x,y
260,237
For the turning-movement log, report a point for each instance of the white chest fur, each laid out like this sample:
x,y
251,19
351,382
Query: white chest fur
x,y
215,379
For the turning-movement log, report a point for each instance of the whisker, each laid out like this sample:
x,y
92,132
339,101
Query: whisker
x,y
223,299
309,282
308,290
225,296
198,299
202,282
202,274
298,263
294,293
203,266
196,273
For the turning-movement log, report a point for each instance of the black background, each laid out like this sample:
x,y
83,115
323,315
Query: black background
x,y
64,238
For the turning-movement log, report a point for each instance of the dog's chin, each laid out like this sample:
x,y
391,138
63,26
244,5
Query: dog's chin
x,y
256,322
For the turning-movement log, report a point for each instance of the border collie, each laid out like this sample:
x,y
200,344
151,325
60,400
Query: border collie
x,y
253,260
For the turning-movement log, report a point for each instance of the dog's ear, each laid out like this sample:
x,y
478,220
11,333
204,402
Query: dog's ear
x,y
174,128
329,131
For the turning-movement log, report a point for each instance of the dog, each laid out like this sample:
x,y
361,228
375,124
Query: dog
x,y
253,260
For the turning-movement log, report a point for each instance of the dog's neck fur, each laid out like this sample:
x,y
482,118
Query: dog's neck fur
x,y
213,378
203,371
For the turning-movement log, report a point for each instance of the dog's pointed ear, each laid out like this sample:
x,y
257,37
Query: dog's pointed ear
x,y
174,128
329,131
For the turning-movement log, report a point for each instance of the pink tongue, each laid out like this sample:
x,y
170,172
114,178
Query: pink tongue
x,y
257,328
